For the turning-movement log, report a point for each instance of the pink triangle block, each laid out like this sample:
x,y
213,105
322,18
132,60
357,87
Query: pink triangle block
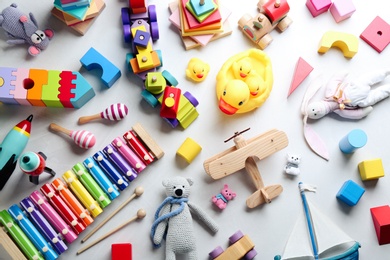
x,y
302,70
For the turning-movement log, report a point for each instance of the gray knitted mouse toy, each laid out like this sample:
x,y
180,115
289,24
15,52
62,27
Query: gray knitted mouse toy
x,y
174,221
21,29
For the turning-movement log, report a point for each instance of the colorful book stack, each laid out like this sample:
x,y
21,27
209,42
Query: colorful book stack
x,y
199,21
78,14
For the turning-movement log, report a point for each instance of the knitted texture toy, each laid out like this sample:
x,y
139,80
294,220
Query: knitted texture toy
x,y
22,29
349,97
176,210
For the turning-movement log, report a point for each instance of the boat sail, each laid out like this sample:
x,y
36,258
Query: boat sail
x,y
315,236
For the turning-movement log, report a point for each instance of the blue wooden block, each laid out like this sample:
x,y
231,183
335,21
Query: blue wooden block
x,y
350,193
352,141
94,60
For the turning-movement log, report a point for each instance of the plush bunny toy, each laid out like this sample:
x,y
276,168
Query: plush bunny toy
x,y
350,98
21,29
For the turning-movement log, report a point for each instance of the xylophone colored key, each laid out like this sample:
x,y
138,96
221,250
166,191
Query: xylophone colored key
x,y
137,146
101,178
82,194
129,155
32,233
120,162
43,225
19,237
52,216
62,208
90,185
110,170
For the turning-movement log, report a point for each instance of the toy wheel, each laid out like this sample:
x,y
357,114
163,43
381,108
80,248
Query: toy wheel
x,y
149,98
154,32
191,98
172,122
265,41
284,24
159,57
152,13
171,80
127,33
216,252
129,56
235,237
244,20
251,254
125,15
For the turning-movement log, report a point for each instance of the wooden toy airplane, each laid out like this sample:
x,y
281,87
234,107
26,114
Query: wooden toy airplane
x,y
243,155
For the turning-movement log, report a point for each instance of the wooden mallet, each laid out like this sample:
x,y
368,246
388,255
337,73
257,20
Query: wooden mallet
x,y
140,215
137,192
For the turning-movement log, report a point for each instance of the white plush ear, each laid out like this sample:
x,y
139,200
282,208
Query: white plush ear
x,y
190,181
312,138
165,182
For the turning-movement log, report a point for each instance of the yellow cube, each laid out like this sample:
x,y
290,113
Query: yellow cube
x,y
371,169
189,150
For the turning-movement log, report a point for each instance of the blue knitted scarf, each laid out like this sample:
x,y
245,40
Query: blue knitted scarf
x,y
158,219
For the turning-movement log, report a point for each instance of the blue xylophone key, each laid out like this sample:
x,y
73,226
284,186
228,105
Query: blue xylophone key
x,y
120,162
32,233
97,173
110,170
42,225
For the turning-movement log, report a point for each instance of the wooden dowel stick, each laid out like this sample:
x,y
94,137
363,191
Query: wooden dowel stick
x,y
140,214
137,192
86,119
58,128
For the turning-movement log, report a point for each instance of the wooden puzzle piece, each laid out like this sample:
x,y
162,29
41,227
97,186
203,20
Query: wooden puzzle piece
x,y
377,34
302,70
19,92
6,86
93,59
346,42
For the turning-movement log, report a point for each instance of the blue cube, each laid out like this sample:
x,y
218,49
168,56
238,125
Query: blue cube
x,y
350,193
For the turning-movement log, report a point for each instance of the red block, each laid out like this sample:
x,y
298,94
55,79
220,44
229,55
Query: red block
x,y
381,218
121,251
276,11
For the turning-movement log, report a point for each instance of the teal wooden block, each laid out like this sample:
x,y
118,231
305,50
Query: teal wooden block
x,y
199,9
350,193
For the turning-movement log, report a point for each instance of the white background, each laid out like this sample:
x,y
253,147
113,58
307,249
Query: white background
x,y
268,225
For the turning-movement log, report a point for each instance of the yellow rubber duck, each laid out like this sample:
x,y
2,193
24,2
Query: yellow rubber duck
x,y
197,70
242,68
234,91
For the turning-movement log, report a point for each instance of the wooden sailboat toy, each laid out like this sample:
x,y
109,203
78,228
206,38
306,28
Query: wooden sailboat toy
x,y
244,155
315,236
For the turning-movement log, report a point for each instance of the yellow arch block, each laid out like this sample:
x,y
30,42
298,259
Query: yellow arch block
x,y
346,42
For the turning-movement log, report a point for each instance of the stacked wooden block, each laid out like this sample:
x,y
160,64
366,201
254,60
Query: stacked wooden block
x,y
78,14
199,21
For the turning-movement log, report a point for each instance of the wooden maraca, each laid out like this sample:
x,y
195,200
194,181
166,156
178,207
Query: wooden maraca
x,y
114,112
82,138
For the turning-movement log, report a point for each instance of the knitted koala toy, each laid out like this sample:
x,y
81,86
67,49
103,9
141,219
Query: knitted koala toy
x,y
21,29
176,210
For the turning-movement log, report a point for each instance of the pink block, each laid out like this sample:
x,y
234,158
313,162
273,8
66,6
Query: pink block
x,y
342,9
377,34
317,7
20,92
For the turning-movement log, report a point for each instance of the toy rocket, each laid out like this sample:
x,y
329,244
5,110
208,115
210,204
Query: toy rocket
x,y
11,148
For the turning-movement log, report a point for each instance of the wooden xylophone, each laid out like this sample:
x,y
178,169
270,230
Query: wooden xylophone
x,y
51,218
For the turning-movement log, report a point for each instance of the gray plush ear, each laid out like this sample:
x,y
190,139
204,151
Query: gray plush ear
x,y
165,182
190,181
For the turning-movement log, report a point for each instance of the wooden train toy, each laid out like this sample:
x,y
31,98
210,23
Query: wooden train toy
x,y
45,223
140,29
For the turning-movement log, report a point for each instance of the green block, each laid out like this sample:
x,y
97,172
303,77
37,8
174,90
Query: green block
x,y
205,9
155,82
50,91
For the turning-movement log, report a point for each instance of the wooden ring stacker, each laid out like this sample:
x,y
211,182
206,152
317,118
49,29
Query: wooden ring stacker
x,y
140,215
137,192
